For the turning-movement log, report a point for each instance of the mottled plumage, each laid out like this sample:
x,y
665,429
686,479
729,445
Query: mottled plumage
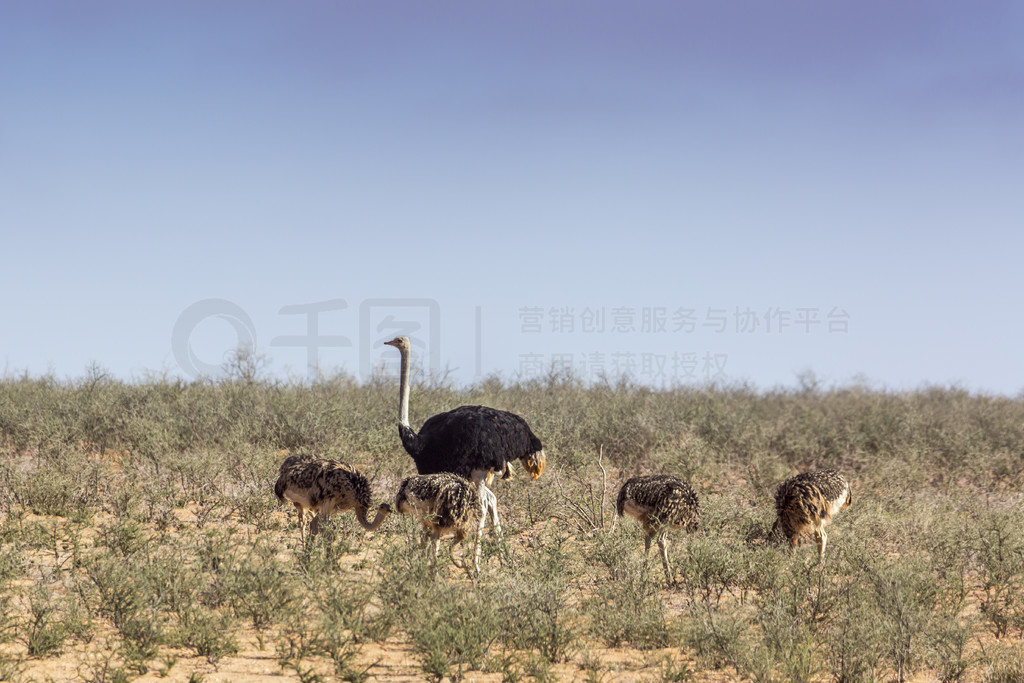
x,y
446,504
339,487
475,442
807,503
295,483
325,487
659,502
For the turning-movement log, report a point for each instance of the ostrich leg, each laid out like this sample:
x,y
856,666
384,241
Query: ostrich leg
x,y
488,501
492,505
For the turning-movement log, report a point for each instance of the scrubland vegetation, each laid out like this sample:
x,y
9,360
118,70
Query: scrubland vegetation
x,y
139,536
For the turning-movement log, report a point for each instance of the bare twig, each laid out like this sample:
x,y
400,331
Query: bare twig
x,y
586,512
579,512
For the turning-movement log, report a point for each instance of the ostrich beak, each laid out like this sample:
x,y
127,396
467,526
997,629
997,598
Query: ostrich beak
x,y
534,463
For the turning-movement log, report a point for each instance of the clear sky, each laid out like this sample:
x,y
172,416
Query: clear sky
x,y
682,190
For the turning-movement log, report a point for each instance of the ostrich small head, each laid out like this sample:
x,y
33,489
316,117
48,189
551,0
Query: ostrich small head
x,y
534,463
400,343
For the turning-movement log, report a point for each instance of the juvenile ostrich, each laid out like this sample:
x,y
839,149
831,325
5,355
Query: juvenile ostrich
x,y
325,487
475,442
807,503
659,502
339,487
295,484
445,504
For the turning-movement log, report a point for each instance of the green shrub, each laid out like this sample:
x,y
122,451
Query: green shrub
x,y
708,572
43,632
626,608
934,525
208,632
535,604
455,639
344,603
1000,566
259,587
856,640
907,596
297,641
122,594
715,635
789,640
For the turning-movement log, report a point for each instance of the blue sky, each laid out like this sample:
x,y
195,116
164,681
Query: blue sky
x,y
679,190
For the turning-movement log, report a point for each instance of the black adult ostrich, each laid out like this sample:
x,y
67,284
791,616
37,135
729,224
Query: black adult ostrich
x,y
475,442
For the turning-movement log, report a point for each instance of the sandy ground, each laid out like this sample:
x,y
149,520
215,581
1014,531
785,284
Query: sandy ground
x,y
392,660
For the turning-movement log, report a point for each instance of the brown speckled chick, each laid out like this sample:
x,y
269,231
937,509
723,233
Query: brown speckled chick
x,y
659,502
295,483
325,487
807,503
445,504
339,487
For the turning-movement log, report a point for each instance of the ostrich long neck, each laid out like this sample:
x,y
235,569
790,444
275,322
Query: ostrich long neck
x,y
403,406
410,441
378,519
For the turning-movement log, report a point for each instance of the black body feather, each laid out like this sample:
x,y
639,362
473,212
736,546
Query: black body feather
x,y
468,439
